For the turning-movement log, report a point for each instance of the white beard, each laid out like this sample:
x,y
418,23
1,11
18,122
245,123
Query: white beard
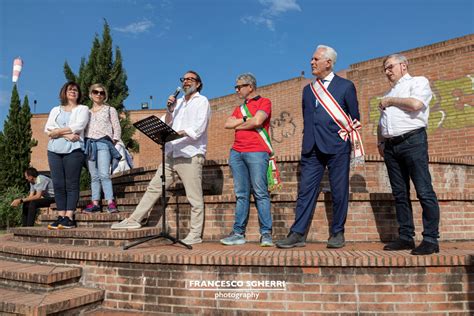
x,y
190,90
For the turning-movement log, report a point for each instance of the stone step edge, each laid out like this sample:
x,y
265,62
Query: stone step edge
x,y
25,303
324,196
88,217
85,233
286,197
174,254
294,158
25,272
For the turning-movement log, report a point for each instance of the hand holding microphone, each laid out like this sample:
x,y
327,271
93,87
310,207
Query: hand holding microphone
x,y
172,100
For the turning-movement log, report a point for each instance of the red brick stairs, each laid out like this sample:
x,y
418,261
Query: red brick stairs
x,y
37,289
371,219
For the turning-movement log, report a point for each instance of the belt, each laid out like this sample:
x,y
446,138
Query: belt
x,y
398,139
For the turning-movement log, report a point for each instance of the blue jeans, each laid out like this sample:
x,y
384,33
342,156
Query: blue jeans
x,y
100,173
65,173
249,170
409,160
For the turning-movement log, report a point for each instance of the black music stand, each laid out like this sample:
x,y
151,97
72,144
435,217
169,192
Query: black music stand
x,y
160,133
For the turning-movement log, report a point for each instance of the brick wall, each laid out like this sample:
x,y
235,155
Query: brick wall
x,y
371,214
309,290
449,66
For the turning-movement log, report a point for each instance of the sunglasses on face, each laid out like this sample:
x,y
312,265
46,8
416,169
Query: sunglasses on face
x,y
97,92
240,86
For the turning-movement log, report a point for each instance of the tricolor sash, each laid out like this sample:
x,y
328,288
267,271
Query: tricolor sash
x,y
348,128
273,174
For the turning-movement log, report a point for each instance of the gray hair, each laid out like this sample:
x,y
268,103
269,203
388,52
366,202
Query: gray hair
x,y
248,78
329,53
399,57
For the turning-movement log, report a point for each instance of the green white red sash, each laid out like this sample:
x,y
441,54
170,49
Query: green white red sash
x,y
273,174
349,128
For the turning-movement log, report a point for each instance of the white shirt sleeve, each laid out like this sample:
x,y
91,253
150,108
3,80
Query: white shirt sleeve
x,y
51,122
421,90
79,123
201,117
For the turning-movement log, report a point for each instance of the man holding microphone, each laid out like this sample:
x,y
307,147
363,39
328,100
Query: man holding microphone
x,y
189,116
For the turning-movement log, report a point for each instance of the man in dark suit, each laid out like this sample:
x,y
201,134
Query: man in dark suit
x,y
323,146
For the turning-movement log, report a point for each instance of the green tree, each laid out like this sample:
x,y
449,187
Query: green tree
x,y
102,67
10,216
15,144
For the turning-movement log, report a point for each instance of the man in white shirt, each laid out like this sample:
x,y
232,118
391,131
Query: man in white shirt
x,y
402,141
189,116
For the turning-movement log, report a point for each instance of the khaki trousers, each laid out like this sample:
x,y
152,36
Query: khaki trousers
x,y
189,171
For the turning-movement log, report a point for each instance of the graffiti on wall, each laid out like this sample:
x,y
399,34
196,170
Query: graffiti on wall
x,y
282,127
452,105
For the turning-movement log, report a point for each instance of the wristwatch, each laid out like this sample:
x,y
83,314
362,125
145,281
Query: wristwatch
x,y
21,201
245,118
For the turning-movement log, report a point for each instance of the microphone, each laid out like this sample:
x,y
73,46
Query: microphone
x,y
176,92
175,95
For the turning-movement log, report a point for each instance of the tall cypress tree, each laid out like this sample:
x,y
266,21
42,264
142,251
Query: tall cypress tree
x,y
3,166
27,140
15,144
101,67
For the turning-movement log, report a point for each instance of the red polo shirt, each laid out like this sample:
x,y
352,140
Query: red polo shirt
x,y
250,140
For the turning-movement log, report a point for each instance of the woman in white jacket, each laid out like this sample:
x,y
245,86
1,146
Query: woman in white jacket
x,y
65,128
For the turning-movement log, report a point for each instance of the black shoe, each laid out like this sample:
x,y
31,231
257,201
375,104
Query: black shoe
x,y
66,223
400,244
54,225
293,240
336,240
425,248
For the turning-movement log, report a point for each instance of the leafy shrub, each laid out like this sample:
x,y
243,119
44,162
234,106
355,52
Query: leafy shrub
x,y
10,216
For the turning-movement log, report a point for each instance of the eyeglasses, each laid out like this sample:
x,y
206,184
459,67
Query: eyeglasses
x,y
188,78
390,67
97,92
240,86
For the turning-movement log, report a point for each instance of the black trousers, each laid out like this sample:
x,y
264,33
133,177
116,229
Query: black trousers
x,y
66,174
30,208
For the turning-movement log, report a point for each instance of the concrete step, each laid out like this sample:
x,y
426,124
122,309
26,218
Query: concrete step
x,y
82,236
454,177
371,216
66,301
136,190
99,219
36,277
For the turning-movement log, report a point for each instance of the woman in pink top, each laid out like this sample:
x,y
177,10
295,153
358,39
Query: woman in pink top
x,y
102,134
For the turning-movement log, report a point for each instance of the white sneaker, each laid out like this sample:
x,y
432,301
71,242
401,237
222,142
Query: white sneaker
x,y
127,223
189,240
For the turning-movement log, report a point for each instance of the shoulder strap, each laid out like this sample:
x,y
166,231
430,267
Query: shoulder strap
x,y
261,131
